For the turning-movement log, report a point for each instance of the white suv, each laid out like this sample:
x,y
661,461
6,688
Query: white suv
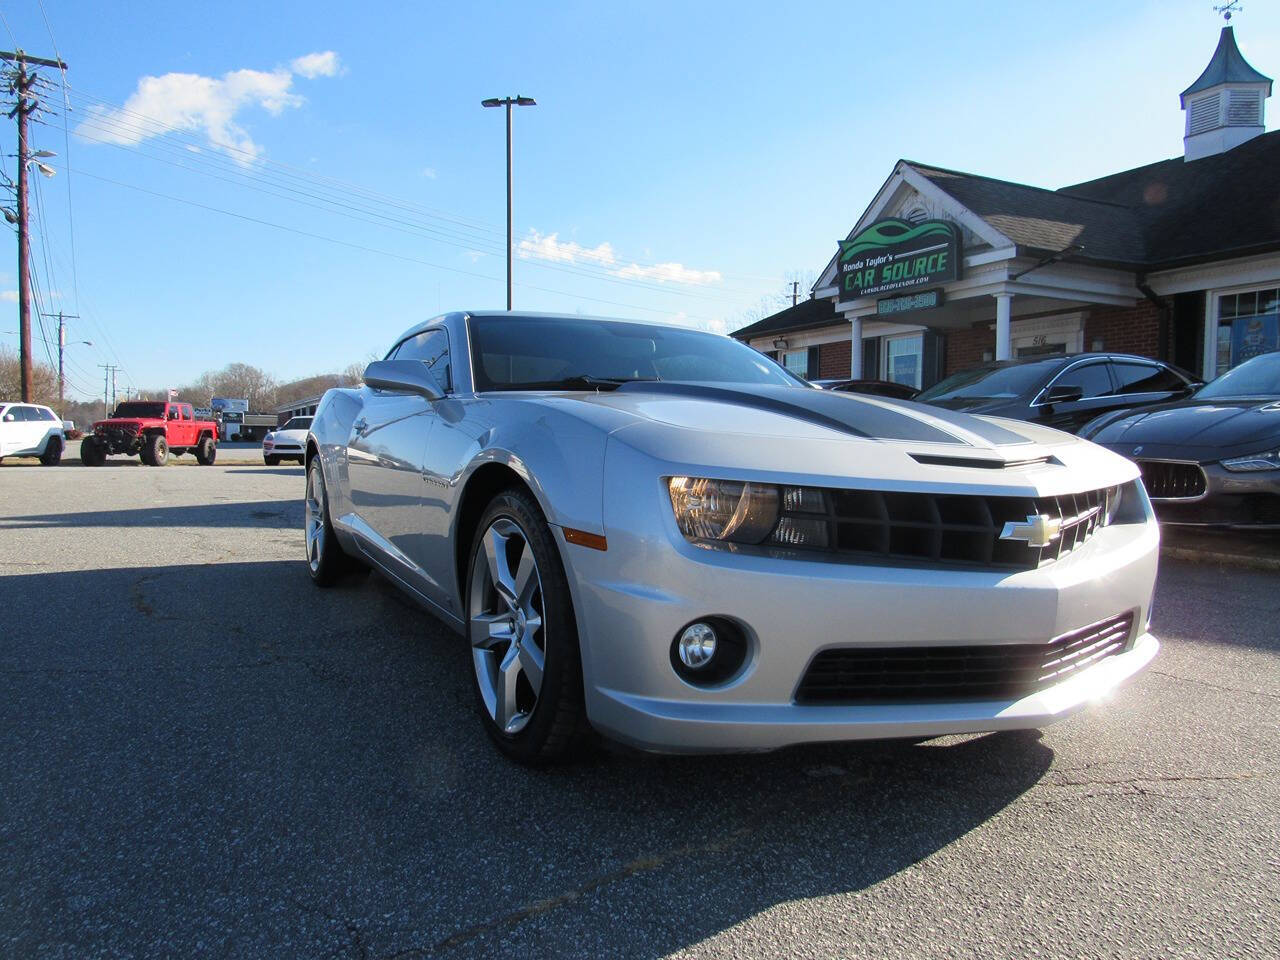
x,y
30,430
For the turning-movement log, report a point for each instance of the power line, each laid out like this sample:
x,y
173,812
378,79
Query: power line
x,y
374,250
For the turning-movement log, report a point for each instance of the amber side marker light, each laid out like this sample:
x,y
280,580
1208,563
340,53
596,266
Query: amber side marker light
x,y
584,539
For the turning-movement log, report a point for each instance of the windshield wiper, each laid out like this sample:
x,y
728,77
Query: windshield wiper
x,y
582,381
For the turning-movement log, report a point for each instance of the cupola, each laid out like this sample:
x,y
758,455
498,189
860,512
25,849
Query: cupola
x,y
1224,106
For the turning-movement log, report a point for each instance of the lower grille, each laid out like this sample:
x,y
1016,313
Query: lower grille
x,y
855,675
1172,480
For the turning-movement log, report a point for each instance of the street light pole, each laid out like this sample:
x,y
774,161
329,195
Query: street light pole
x,y
509,102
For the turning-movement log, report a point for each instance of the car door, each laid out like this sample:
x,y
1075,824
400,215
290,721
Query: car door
x,y
1139,383
385,456
1093,380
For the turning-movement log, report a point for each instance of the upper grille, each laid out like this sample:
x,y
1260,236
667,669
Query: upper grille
x,y
953,528
1172,480
990,672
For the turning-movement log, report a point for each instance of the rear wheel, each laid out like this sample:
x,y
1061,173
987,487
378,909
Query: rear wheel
x,y
52,455
206,452
155,450
524,639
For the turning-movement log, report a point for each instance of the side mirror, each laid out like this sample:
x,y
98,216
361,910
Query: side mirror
x,y
403,376
9,418
1064,394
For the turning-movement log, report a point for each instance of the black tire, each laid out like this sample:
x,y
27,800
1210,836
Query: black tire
x,y
556,726
271,461
52,455
327,562
155,450
206,452
92,453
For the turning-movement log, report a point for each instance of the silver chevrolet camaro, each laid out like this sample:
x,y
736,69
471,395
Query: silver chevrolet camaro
x,y
661,535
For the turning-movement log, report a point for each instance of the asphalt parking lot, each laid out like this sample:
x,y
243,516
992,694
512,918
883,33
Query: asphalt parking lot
x,y
205,756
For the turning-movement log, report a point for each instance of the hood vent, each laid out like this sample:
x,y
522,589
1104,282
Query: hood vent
x,y
934,460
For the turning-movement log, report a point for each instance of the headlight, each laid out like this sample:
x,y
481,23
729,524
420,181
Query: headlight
x,y
724,509
1267,460
740,512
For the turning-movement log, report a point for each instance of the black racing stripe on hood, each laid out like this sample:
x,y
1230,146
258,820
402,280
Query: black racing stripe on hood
x,y
846,413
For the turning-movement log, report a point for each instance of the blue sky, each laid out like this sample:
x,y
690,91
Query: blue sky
x,y
683,161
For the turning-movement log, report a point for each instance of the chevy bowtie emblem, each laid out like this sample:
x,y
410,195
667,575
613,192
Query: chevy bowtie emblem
x,y
1037,531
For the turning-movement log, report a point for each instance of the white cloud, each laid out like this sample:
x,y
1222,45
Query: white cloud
x,y
549,247
429,172
670,272
314,65
207,105
9,296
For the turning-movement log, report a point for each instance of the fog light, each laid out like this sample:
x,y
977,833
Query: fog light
x,y
697,645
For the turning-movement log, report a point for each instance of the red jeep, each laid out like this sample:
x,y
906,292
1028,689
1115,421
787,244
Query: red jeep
x,y
152,429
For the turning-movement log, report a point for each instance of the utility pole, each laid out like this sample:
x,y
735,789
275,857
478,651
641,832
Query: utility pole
x,y
795,292
21,85
62,346
508,102
108,376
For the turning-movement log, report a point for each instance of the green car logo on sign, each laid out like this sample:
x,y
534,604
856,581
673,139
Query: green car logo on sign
x,y
895,254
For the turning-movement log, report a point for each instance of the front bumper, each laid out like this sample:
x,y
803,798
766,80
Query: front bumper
x,y
286,451
1231,499
632,599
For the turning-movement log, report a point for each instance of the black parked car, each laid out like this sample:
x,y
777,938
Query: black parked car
x,y
1062,391
1213,458
874,388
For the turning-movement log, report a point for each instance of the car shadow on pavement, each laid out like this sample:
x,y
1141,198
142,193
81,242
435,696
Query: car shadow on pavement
x,y
263,513
186,773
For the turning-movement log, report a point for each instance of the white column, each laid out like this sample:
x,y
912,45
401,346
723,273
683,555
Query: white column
x,y
855,348
1004,303
1209,369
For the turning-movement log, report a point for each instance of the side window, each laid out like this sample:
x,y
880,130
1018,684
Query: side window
x,y
187,412
1146,378
28,414
432,348
1092,379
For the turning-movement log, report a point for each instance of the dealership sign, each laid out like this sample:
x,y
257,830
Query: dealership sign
x,y
229,405
893,254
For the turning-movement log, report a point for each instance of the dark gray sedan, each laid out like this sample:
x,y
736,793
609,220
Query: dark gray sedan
x,y
1213,459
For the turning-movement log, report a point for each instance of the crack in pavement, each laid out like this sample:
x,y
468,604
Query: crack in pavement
x,y
352,928
1214,686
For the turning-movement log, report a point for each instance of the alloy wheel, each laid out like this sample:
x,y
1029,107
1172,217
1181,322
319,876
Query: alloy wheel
x,y
508,647
314,523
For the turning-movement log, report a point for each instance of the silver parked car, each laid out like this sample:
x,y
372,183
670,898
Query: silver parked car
x,y
660,534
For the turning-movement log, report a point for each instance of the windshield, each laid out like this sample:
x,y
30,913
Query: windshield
x,y
1257,377
140,408
991,383
297,423
575,353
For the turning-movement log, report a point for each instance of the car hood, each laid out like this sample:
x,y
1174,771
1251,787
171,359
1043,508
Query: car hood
x,y
126,422
824,435
289,436
1203,430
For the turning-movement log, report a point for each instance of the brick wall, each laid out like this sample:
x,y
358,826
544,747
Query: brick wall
x,y
1124,329
965,347
834,360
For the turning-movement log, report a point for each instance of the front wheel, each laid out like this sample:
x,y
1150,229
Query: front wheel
x,y
155,450
524,638
271,461
326,560
92,453
52,455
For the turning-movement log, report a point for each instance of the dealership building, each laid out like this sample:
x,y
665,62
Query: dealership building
x,y
1177,260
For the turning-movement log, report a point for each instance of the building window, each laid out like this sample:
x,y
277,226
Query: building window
x,y
1248,324
797,361
903,359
